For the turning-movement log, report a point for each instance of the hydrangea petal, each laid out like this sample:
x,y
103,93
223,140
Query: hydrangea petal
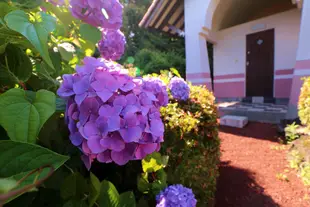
x,y
104,157
94,144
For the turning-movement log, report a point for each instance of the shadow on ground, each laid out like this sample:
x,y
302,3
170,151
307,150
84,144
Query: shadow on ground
x,y
254,130
237,187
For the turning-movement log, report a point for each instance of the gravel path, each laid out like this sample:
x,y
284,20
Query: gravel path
x,y
254,171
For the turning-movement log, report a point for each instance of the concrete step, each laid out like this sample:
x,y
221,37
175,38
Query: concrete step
x,y
233,121
273,117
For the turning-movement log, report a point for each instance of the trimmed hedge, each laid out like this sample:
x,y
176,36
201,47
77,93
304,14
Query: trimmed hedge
x,y
304,103
192,143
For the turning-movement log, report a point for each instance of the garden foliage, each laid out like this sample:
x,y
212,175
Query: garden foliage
x,y
191,142
304,103
108,139
300,151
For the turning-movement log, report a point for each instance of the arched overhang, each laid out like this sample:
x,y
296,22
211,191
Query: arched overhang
x,y
223,14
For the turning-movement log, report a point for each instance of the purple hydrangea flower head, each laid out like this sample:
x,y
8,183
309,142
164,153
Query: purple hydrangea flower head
x,y
99,13
112,44
155,86
176,195
179,88
111,116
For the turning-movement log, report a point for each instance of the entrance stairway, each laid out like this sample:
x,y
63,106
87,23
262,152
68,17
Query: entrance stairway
x,y
259,112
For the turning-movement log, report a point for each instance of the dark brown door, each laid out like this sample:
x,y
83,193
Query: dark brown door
x,y
260,64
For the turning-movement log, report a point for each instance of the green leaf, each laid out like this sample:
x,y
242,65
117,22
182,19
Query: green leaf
x,y
143,185
7,184
175,72
27,4
158,186
127,199
4,9
66,50
152,162
3,45
23,113
142,202
75,203
17,159
90,33
94,189
19,64
164,160
74,186
109,196
161,175
36,31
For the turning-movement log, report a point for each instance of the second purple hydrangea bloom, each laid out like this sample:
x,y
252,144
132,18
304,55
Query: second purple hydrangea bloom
x,y
176,195
179,89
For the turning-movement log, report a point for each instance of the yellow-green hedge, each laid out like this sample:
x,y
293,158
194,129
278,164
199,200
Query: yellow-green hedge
x,y
304,103
192,143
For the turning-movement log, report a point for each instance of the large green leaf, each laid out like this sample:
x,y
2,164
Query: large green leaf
x,y
109,196
18,63
27,4
23,113
75,203
143,185
74,186
17,159
127,199
90,33
7,184
95,186
35,31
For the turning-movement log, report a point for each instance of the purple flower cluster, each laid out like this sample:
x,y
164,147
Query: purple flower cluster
x,y
99,13
179,88
112,44
112,117
176,195
156,86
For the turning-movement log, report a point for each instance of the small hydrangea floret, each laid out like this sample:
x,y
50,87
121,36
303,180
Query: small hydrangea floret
x,y
112,44
176,195
111,116
99,13
179,89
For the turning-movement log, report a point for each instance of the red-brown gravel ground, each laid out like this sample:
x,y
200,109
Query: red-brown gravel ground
x,y
251,159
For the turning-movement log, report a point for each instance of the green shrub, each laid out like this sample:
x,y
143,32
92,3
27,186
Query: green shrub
x,y
299,158
152,61
291,133
192,143
304,103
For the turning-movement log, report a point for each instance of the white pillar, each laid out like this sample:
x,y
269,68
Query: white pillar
x,y
197,62
302,67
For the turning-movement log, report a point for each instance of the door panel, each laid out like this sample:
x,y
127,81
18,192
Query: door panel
x,y
260,64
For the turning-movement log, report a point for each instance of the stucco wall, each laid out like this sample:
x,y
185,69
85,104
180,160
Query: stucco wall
x,y
230,57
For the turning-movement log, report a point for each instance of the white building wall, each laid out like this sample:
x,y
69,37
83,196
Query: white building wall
x,y
230,50
196,51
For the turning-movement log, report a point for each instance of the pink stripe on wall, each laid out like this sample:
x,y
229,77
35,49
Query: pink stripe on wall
x,y
229,89
191,76
283,88
229,76
302,64
284,72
